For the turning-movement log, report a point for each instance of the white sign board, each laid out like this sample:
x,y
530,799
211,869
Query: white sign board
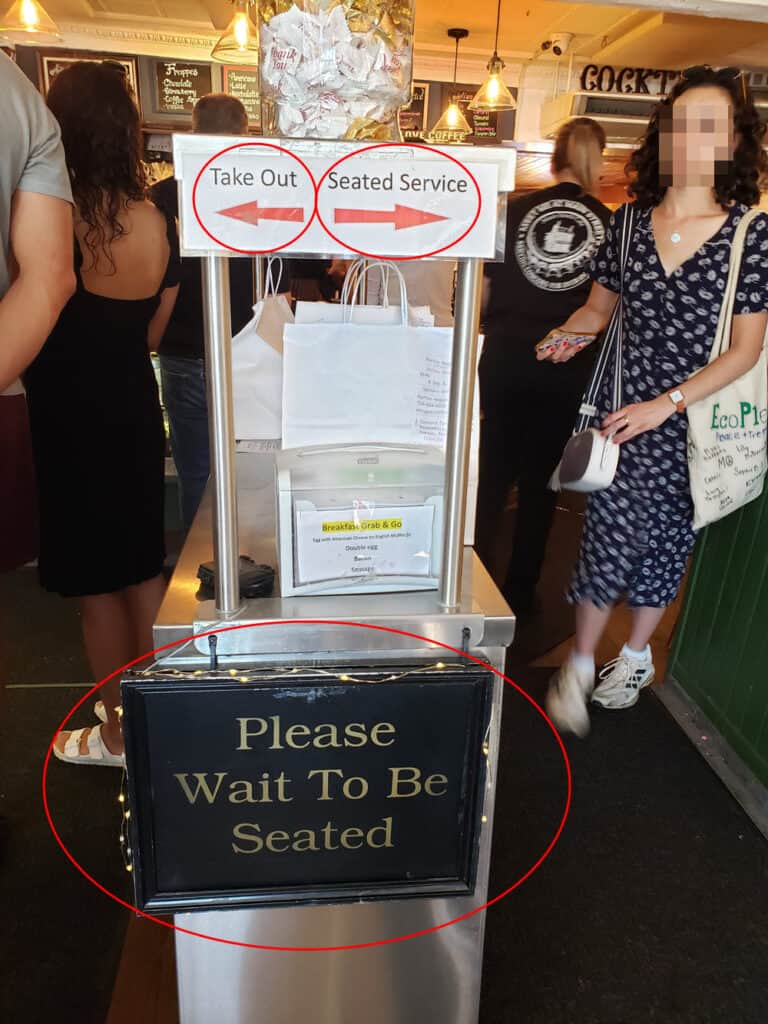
x,y
343,543
386,201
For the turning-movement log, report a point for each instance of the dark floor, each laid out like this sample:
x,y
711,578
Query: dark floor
x,y
652,908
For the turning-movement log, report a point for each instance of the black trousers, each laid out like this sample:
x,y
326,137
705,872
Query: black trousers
x,y
521,444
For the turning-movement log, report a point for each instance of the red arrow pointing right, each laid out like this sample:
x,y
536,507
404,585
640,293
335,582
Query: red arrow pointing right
x,y
401,217
252,213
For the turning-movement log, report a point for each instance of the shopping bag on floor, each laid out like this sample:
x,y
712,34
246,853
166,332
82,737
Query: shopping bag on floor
x,y
257,368
727,432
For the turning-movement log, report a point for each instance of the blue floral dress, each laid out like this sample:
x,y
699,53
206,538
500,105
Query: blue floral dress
x,y
638,533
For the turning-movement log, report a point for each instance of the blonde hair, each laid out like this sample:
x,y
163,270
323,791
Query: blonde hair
x,y
579,148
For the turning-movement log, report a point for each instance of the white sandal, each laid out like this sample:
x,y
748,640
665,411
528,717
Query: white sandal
x,y
98,753
100,711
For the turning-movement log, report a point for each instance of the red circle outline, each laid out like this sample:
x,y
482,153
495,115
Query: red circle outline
x,y
407,145
253,252
310,949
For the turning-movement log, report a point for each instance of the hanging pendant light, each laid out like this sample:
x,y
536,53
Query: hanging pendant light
x,y
28,21
452,126
239,43
493,93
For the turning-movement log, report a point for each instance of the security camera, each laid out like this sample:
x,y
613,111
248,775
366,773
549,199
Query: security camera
x,y
561,42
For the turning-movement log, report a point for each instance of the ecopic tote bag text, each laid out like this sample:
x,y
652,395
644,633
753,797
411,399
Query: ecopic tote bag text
x,y
727,432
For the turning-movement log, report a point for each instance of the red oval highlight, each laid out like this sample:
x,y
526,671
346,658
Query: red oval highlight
x,y
402,145
311,949
254,252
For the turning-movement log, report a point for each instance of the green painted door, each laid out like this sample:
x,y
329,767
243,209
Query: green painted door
x,y
720,655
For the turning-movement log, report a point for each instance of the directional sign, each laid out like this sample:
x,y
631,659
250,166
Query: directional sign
x,y
392,201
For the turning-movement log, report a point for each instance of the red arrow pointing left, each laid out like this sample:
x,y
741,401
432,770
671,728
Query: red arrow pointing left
x,y
252,213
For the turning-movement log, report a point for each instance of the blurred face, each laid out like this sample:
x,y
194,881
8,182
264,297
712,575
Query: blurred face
x,y
696,140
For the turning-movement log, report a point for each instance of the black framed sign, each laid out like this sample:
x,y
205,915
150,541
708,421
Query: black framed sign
x,y
53,62
180,84
305,786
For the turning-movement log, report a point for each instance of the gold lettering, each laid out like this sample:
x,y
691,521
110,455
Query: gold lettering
x,y
241,832
294,730
275,837
325,772
385,727
355,731
326,731
202,784
246,733
304,840
352,833
386,828
435,780
398,783
241,792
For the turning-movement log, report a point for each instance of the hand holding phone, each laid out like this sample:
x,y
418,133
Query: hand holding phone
x,y
562,345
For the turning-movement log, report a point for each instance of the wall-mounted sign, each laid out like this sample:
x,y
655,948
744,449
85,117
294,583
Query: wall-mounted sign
x,y
180,84
53,62
305,786
639,81
413,118
243,84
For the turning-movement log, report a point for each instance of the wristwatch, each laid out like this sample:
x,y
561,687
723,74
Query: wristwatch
x,y
677,398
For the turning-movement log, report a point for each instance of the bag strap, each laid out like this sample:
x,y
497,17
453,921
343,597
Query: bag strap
x,y
613,339
722,340
354,294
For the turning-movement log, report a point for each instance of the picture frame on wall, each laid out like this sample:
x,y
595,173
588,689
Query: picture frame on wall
x,y
413,118
54,62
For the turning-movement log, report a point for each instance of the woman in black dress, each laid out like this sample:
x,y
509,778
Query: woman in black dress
x,y
97,425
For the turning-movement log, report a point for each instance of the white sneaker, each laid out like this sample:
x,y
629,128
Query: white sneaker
x,y
566,702
622,680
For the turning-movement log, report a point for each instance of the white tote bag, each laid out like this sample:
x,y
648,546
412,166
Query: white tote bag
x,y
727,451
257,368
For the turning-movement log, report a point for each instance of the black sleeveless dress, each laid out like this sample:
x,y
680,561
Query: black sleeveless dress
x,y
99,442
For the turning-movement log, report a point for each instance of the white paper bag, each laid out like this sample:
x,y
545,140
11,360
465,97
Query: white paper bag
x,y
257,370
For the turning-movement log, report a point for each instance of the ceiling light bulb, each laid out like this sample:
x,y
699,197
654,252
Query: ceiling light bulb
x,y
240,29
29,14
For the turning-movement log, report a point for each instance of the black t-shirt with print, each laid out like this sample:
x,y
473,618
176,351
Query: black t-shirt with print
x,y
552,235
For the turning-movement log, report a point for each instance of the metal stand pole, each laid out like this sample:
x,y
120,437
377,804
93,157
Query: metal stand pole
x,y
218,354
465,327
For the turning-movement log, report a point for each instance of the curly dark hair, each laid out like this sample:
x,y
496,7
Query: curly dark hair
x,y
101,133
740,180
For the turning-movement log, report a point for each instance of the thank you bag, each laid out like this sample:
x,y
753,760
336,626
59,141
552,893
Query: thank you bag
x,y
727,432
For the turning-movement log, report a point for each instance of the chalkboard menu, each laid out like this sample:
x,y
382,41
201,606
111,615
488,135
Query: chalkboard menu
x,y
180,84
243,84
305,786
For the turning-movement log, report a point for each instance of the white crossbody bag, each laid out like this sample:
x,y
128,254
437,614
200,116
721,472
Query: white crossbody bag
x,y
589,461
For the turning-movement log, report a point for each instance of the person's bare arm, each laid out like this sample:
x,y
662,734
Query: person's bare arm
x,y
746,342
41,240
591,318
159,321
